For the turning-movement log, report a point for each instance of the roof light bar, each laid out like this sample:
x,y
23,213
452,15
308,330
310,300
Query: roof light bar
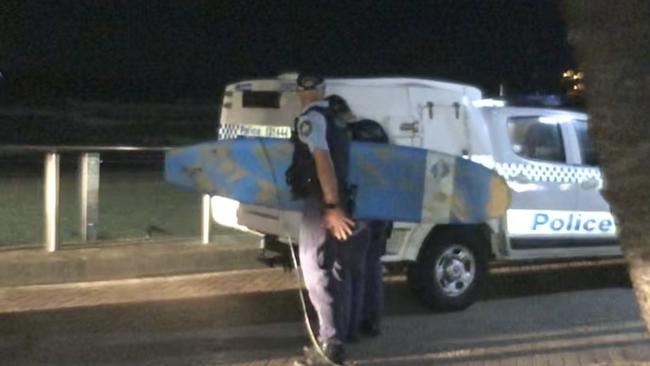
x,y
482,103
555,119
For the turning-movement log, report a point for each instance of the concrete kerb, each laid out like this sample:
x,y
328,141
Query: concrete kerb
x,y
110,261
139,290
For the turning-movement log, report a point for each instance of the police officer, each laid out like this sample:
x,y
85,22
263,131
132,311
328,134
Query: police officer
x,y
354,253
373,301
325,225
367,246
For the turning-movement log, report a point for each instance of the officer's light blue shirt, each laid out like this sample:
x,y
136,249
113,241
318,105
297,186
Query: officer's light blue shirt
x,y
312,127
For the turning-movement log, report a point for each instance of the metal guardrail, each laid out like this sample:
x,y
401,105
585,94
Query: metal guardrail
x,y
89,172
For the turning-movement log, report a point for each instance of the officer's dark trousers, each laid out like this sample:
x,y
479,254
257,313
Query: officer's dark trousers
x,y
322,266
355,251
373,303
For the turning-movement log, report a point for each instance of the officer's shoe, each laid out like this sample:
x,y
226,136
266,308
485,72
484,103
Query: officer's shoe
x,y
370,328
334,353
352,338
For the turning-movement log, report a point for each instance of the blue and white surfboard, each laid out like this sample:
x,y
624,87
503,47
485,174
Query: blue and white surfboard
x,y
394,183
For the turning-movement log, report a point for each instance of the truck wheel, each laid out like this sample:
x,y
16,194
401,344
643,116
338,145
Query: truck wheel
x,y
450,270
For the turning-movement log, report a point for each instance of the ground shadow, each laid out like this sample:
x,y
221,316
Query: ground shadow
x,y
401,300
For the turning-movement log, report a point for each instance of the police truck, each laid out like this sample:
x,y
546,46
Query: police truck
x,y
545,154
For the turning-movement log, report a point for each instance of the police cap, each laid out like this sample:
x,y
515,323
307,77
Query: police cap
x,y
309,81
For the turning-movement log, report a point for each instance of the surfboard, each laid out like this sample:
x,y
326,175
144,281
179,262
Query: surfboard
x,y
395,183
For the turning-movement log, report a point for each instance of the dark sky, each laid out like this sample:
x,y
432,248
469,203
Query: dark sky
x,y
188,49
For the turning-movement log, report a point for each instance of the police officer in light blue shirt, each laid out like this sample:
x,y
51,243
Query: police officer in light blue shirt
x,y
312,127
325,225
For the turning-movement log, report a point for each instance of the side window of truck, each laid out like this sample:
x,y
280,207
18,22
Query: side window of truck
x,y
587,148
533,139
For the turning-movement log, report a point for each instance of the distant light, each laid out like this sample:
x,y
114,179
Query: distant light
x,y
482,103
555,119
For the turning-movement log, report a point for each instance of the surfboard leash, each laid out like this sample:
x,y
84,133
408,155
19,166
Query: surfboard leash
x,y
298,270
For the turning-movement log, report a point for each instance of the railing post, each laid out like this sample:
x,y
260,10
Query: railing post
x,y
205,219
51,202
89,170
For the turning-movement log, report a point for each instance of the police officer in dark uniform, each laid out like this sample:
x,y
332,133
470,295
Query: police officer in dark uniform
x,y
373,295
325,225
362,256
354,253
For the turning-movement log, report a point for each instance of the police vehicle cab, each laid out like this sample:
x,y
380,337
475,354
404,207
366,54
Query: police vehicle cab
x,y
545,155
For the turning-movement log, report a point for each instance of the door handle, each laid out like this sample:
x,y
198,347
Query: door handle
x,y
410,126
521,178
589,184
430,108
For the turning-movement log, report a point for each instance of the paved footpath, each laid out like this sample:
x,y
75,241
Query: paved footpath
x,y
252,317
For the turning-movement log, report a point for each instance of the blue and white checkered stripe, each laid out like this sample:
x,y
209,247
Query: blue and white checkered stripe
x,y
549,173
228,132
540,173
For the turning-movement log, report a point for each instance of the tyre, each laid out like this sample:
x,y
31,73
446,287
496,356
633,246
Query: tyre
x,y
450,270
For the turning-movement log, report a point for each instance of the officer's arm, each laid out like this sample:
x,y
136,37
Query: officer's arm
x,y
312,131
326,175
334,219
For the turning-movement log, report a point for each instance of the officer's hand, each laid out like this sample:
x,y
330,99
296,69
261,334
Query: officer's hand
x,y
338,224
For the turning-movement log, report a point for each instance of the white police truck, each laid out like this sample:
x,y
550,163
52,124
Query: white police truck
x,y
545,155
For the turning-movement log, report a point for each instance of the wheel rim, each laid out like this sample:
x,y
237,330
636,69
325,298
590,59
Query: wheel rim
x,y
455,270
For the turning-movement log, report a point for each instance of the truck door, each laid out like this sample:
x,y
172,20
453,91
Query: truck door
x,y
597,233
387,105
440,119
533,158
